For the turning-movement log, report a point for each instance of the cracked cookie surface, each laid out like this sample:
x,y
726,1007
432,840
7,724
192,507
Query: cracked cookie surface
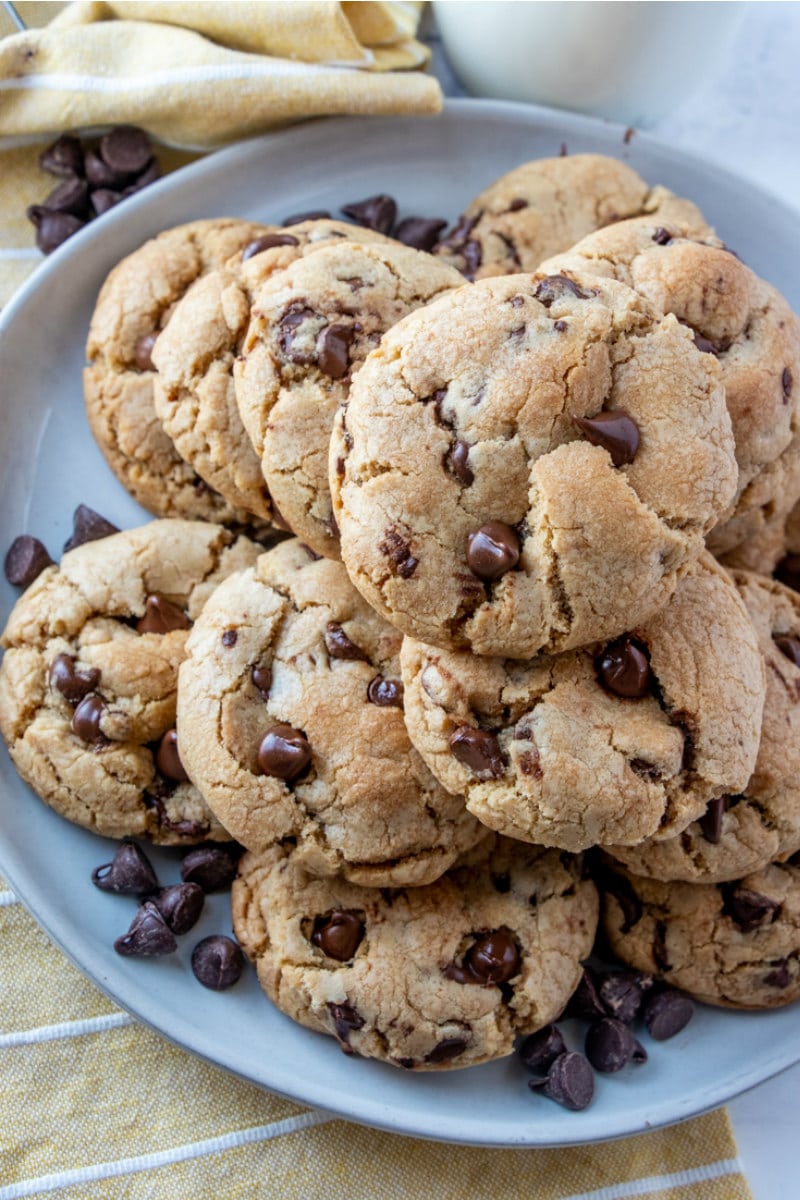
x,y
89,678
312,327
545,206
477,504
290,720
610,743
742,321
744,832
423,978
134,306
733,944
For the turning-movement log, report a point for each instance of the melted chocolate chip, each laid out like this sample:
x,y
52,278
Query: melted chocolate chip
x,y
478,750
789,646
786,384
209,867
88,526
386,693
338,644
615,431
395,547
217,962
446,1050
788,571
540,1050
25,561
338,934
168,762
422,233
569,1082
667,1013
494,958
288,326
517,204
711,821
748,909
623,668
72,684
229,638
780,976
317,214
623,892
148,936
86,720
284,752
558,287
180,905
472,253
262,678
376,212
456,461
560,326
333,344
143,352
662,236
162,616
345,1020
267,242
492,550
610,1046
129,873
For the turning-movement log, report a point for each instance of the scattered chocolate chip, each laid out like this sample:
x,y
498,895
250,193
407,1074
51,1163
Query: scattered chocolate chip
x,y
456,462
622,993
168,762
615,431
71,196
267,242
610,1046
100,175
395,547
585,1001
86,720
386,693
149,175
284,752
217,962
711,821
345,1020
143,352
209,867
88,526
262,678
148,936
72,684
540,1050
25,560
421,233
623,668
333,344
52,228
129,873
478,750
446,1050
788,571
569,1081
104,199
317,214
557,287
338,934
180,905
161,616
786,384
667,1013
338,644
790,647
126,149
748,909
64,157
492,550
376,212
628,135
662,236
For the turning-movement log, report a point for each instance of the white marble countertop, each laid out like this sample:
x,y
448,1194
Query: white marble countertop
x,y
745,115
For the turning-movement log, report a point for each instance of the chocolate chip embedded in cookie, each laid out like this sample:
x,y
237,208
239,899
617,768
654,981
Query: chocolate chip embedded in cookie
x,y
294,729
483,498
89,678
733,944
424,978
607,744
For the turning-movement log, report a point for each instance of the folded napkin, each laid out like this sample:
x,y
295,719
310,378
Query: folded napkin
x,y
94,1106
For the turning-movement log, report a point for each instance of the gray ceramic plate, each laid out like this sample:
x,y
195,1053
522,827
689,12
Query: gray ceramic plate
x,y
49,464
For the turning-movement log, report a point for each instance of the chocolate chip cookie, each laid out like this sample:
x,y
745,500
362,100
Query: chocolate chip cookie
x,y
743,832
528,463
194,394
312,327
89,678
745,323
615,742
134,306
545,206
290,718
423,978
732,944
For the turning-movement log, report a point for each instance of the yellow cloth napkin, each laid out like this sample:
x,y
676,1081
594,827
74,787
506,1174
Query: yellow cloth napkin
x,y
94,1106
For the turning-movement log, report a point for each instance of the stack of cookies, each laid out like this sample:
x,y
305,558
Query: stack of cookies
x,y
492,633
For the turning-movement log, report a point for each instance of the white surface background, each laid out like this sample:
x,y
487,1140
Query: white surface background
x,y
745,115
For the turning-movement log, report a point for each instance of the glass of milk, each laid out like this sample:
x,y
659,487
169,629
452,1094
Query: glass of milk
x,y
629,61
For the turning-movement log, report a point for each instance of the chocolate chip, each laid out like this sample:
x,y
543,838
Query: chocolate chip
x,y
569,1082
72,684
788,571
217,962
540,1050
288,326
585,1001
284,752
267,242
395,547
209,867
781,976
386,693
748,909
52,228
262,678
667,1013
789,646
376,212
86,720
557,287
662,236
143,352
71,196
458,235
338,644
478,750
149,175
623,668
148,936
560,326
786,384
333,344
517,204
162,616
623,892
492,550
621,993
711,821
338,934
64,157
446,1050
703,344
610,1046
616,432
180,905
456,462
25,560
129,873
104,199
100,175
126,149
494,958
502,883
421,233
660,954
472,253
317,214
168,762
345,1020
229,638
88,526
